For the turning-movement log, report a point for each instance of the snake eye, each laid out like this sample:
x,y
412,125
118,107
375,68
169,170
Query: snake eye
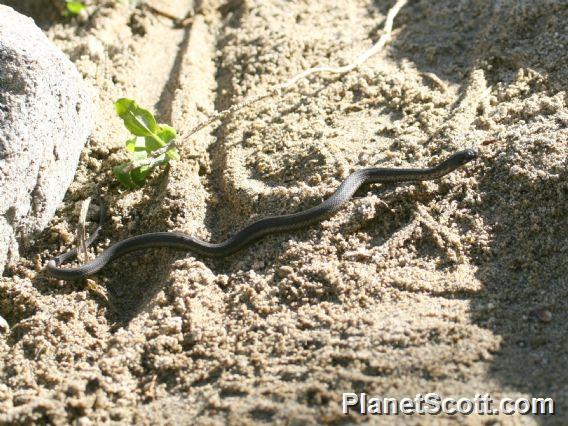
x,y
470,154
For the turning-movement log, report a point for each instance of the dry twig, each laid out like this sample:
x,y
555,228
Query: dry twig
x,y
81,235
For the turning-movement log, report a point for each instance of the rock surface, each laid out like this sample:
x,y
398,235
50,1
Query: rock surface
x,y
45,120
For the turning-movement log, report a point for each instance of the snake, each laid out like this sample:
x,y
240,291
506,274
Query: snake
x,y
258,229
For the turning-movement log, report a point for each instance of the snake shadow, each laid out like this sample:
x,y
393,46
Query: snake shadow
x,y
137,277
133,284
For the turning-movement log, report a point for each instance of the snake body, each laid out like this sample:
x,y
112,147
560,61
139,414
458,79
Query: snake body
x,y
258,229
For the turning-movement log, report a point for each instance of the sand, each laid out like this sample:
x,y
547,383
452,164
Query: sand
x,y
457,286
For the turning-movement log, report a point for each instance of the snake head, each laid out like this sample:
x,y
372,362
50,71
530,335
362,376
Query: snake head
x,y
466,156
457,160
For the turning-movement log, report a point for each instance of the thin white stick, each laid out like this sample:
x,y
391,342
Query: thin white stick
x,y
81,234
377,47
279,88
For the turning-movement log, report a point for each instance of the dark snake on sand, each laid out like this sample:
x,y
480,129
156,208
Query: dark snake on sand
x,y
258,229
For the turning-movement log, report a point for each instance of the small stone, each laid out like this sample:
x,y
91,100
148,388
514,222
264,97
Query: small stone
x,y
544,315
95,49
4,326
172,325
360,254
285,270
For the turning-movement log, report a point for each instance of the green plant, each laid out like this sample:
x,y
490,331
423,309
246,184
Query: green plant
x,y
73,7
150,142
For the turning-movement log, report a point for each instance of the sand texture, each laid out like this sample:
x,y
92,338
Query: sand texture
x,y
457,286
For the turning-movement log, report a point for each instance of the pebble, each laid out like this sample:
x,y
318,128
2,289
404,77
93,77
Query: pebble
x,y
4,326
95,49
544,315
172,325
285,270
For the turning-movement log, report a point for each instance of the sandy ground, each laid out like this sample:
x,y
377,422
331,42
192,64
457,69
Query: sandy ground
x,y
456,287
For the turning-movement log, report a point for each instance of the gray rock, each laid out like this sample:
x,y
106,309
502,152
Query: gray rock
x,y
45,120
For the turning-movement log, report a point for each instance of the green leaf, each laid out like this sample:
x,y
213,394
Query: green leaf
x,y
166,133
153,143
138,121
137,146
139,175
172,154
124,177
74,7
149,136
140,155
131,144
